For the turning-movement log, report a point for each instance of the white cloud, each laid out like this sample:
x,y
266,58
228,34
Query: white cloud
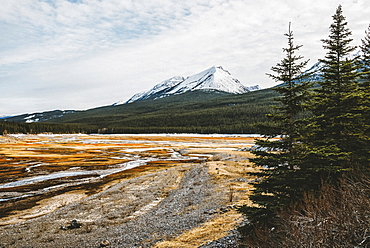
x,y
93,53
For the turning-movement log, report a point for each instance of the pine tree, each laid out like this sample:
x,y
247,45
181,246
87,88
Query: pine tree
x,y
280,185
334,130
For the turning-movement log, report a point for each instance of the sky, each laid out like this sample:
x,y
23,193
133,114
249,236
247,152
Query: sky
x,y
81,54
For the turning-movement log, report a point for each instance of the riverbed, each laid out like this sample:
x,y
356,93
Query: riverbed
x,y
123,190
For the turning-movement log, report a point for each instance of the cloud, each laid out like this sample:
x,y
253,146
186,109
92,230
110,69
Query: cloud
x,y
82,54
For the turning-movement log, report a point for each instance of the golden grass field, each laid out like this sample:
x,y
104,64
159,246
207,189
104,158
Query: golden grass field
x,y
40,174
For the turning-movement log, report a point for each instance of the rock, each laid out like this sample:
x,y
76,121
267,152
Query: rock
x,y
241,179
74,224
232,207
224,210
104,243
244,149
183,152
211,212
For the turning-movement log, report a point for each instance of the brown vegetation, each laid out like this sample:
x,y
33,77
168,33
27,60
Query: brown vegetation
x,y
171,202
338,217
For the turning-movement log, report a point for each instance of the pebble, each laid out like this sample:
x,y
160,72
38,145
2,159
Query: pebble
x,y
104,243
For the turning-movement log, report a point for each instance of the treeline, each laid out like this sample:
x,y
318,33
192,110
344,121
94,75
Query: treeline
x,y
8,127
224,129
308,176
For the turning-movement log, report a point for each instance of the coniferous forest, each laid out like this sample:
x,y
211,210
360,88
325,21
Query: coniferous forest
x,y
314,189
191,112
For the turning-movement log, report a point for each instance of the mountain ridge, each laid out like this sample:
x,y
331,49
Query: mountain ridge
x,y
215,78
165,86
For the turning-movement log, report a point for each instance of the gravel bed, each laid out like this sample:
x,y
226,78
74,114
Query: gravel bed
x,y
183,208
229,241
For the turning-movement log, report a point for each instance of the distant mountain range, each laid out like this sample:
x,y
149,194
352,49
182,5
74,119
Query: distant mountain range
x,y
211,84
212,101
215,78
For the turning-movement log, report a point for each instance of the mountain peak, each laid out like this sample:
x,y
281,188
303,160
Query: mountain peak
x,y
218,67
215,78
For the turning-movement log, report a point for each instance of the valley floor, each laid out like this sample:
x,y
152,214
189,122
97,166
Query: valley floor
x,y
184,194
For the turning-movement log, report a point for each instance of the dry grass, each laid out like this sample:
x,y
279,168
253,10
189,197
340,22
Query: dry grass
x,y
233,180
56,154
115,202
213,229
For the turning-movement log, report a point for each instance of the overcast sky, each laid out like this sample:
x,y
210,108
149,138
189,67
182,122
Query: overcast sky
x,y
80,54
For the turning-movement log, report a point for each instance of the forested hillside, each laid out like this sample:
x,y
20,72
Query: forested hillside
x,y
197,112
191,112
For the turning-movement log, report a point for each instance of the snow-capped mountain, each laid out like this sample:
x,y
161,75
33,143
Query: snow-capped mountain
x,y
160,88
213,79
315,72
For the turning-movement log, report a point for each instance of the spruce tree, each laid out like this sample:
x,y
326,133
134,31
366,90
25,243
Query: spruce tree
x,y
365,48
334,130
281,152
365,94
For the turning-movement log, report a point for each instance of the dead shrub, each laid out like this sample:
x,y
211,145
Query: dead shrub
x,y
338,217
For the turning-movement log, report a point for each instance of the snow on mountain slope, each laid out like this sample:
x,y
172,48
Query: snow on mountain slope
x,y
159,89
212,79
315,72
215,78
38,117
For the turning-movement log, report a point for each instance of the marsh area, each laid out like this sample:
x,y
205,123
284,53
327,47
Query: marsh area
x,y
125,190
